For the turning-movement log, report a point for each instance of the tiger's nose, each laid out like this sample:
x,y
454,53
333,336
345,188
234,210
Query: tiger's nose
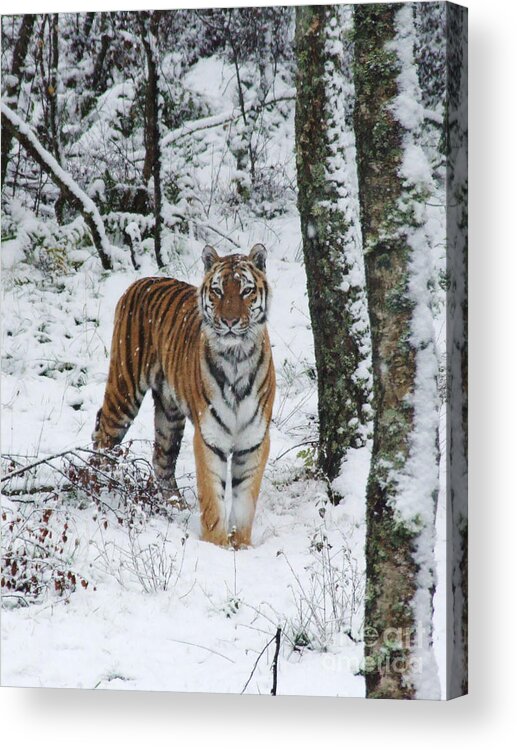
x,y
230,322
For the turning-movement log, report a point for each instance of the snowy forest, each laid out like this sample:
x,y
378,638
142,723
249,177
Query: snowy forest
x,y
336,136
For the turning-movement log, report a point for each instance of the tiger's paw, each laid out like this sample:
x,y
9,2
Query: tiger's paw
x,y
175,499
172,495
218,537
238,539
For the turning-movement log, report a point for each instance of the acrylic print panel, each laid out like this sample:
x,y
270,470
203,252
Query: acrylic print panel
x,y
248,475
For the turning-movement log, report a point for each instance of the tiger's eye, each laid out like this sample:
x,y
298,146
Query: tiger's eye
x,y
247,291
215,290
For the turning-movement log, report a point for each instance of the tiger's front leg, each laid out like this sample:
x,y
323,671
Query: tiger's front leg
x,y
211,466
248,466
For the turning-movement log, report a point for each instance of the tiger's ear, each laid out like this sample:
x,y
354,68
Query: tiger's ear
x,y
209,256
258,256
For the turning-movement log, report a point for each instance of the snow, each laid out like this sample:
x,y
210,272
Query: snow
x,y
206,630
89,206
133,231
418,481
342,173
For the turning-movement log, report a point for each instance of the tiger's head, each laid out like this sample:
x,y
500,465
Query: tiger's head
x,y
234,294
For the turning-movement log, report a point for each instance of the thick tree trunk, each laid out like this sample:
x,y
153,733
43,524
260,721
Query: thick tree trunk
x,y
76,197
331,238
12,89
403,481
152,162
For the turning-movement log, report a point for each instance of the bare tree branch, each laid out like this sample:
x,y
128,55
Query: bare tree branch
x,y
75,196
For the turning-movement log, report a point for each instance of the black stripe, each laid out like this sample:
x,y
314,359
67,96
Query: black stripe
x,y
133,357
227,357
218,452
203,393
244,394
175,420
166,456
179,297
251,419
168,294
172,413
126,408
142,335
191,326
215,371
157,298
132,308
238,356
218,419
128,359
216,475
236,481
111,424
266,379
170,438
245,451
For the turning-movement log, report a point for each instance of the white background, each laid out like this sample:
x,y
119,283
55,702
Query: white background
x,y
50,718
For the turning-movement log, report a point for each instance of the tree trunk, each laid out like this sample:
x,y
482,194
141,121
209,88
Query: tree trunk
x,y
152,162
404,474
12,89
51,91
97,81
327,202
99,75
83,34
76,197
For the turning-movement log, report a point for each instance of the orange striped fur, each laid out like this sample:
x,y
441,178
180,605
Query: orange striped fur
x,y
205,354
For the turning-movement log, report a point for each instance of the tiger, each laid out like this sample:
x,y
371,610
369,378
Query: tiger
x,y
205,354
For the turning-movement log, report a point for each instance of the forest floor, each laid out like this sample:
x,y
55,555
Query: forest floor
x,y
220,608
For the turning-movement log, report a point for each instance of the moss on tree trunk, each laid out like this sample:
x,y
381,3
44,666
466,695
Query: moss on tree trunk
x,y
12,88
341,394
391,570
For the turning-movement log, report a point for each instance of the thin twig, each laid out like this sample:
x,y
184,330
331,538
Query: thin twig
x,y
292,448
205,648
18,472
257,661
275,660
211,228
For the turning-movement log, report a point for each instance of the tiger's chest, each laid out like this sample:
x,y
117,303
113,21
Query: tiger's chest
x,y
233,415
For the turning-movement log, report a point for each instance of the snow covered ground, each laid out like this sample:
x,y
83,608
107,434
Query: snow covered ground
x,y
205,631
220,608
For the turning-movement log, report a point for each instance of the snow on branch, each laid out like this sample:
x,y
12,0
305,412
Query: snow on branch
x,y
75,196
214,121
